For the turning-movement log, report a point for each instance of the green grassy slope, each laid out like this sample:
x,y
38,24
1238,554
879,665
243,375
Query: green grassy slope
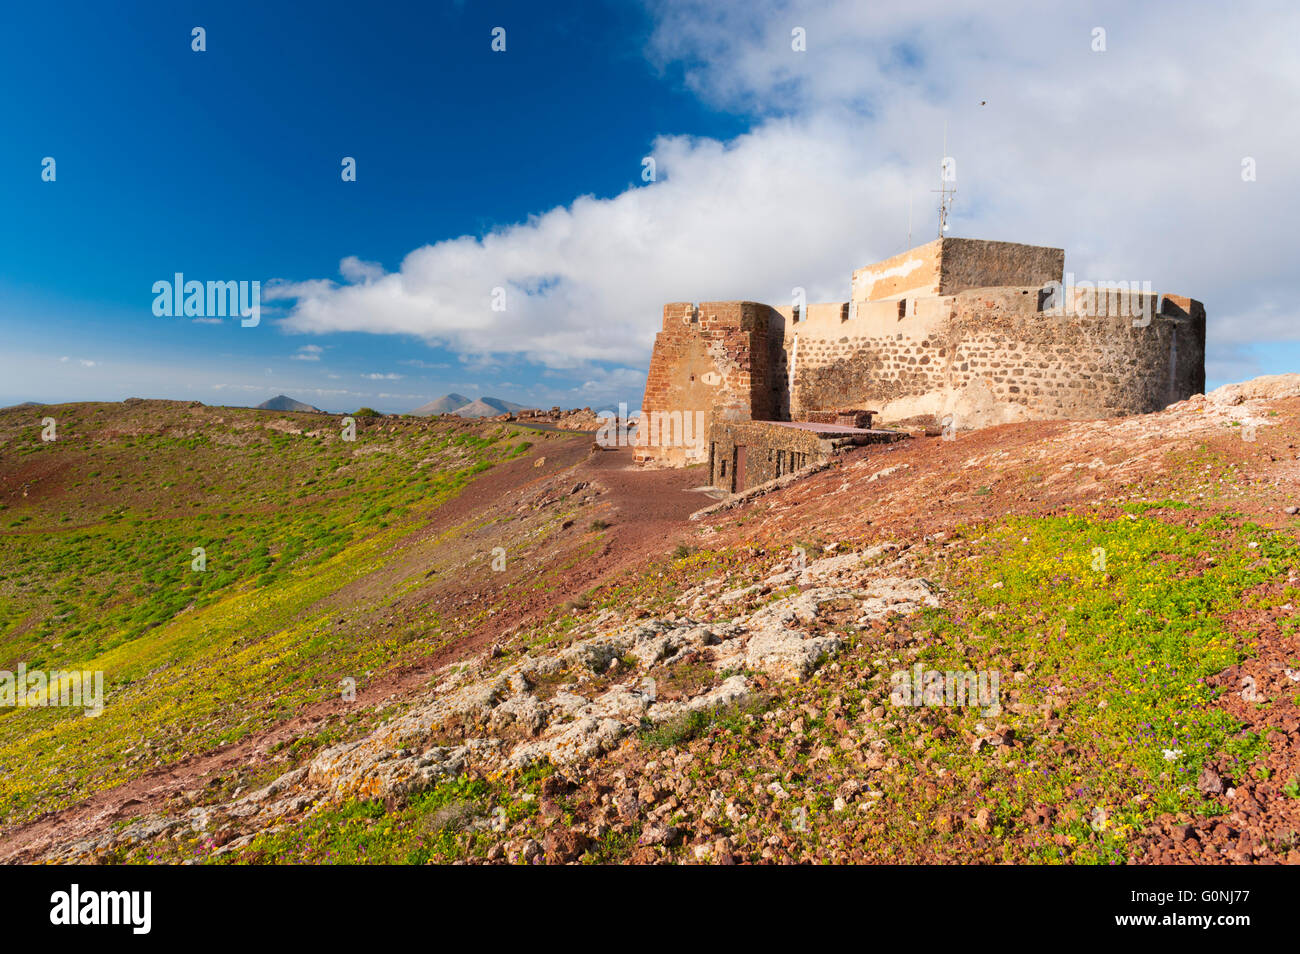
x,y
97,572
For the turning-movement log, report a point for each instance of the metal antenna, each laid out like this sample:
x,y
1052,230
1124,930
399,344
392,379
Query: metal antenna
x,y
945,194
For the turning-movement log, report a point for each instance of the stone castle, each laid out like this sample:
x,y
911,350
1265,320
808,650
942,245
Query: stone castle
x,y
961,332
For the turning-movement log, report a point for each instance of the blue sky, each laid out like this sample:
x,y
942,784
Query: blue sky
x,y
225,165
523,170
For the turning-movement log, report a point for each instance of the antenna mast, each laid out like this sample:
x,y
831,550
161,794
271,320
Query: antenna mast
x,y
945,194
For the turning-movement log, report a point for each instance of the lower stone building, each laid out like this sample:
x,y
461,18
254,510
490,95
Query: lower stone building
x,y
744,454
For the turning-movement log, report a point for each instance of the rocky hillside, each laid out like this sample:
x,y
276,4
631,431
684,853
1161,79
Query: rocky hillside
x,y
1058,641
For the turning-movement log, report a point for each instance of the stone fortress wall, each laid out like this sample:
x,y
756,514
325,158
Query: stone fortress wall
x,y
712,361
978,332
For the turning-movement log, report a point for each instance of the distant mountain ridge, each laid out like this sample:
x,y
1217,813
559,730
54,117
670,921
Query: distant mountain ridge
x,y
282,402
462,406
446,404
